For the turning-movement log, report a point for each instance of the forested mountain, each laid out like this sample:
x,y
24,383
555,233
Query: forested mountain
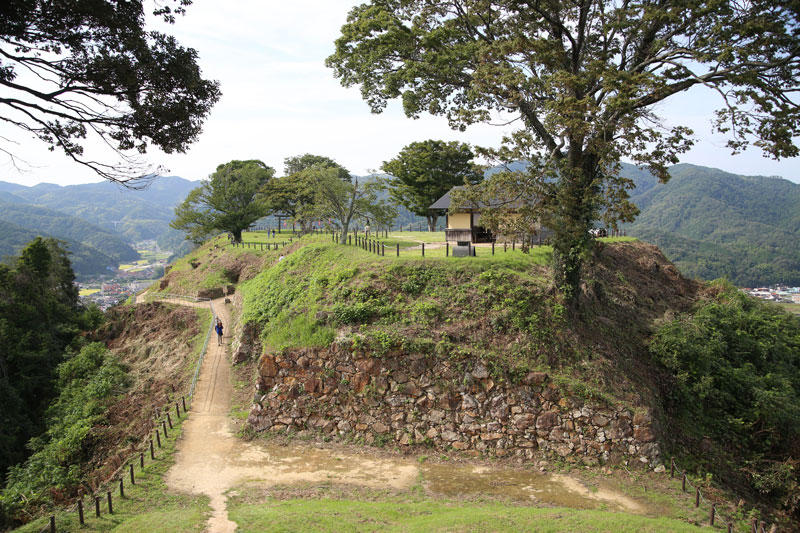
x,y
53,223
86,261
132,215
713,223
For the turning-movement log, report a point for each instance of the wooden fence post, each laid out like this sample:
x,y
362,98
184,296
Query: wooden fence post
x,y
713,512
133,481
177,412
423,249
697,497
110,504
80,511
141,461
158,437
164,425
169,420
97,506
183,401
121,487
52,524
398,249
683,483
492,247
152,452
672,468
447,249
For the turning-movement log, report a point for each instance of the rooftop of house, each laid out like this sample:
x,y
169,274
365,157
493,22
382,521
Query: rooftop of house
x,y
445,201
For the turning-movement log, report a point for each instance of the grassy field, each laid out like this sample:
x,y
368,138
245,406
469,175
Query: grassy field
x,y
423,516
791,308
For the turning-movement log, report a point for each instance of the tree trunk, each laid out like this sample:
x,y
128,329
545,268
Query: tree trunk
x,y
237,235
345,229
432,222
574,211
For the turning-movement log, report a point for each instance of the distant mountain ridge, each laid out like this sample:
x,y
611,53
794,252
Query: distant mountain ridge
x,y
133,214
100,216
713,223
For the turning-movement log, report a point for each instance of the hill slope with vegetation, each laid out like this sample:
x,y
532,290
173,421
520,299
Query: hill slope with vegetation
x,y
629,346
133,214
86,261
69,228
713,223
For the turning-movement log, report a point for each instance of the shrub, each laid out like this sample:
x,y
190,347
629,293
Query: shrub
x,y
736,368
86,383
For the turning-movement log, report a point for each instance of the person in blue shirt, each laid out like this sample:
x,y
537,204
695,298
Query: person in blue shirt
x,y
218,329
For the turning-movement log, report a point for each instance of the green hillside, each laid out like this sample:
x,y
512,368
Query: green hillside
x,y
713,224
86,261
134,214
69,228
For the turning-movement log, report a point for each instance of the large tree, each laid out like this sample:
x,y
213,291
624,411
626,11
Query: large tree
x,y
231,199
341,201
293,194
71,71
424,171
583,77
39,317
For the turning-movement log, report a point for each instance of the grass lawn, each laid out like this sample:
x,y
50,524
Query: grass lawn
x,y
792,308
423,516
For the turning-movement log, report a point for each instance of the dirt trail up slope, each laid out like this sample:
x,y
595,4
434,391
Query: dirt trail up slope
x,y
211,460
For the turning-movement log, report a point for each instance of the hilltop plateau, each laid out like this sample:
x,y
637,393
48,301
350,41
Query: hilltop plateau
x,y
351,385
478,357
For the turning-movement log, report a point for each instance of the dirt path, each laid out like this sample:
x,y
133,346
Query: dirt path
x,y
211,460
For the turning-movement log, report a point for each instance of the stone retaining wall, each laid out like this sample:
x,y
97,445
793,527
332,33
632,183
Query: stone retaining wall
x,y
419,400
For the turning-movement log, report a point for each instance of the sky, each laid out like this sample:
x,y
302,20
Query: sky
x,y
279,100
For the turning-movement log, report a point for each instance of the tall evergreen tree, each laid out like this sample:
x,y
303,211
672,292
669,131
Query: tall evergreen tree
x,y
39,317
424,171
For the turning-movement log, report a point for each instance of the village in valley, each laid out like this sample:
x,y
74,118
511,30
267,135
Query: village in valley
x,y
127,279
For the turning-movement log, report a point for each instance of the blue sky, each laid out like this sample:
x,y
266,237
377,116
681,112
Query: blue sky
x,y
279,100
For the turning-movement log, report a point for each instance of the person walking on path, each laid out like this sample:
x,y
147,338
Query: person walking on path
x,y
219,329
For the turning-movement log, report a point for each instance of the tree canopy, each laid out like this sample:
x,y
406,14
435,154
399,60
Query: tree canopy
x,y
342,201
39,316
424,171
231,199
293,194
75,70
583,78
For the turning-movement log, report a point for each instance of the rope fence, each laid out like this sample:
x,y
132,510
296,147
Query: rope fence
x,y
160,422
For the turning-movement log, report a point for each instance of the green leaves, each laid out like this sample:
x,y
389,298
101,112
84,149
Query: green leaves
x,y
95,70
584,78
424,171
230,200
737,366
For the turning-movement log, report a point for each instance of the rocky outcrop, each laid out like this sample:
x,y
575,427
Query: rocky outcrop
x,y
413,399
248,345
213,293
